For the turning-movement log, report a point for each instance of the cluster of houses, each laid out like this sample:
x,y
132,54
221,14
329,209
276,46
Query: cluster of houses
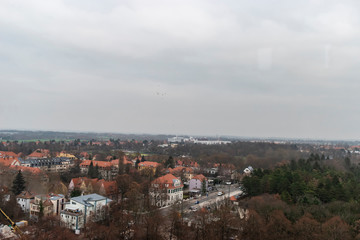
x,y
78,210
94,194
39,159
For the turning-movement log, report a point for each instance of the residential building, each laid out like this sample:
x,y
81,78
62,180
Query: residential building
x,y
148,165
185,173
87,186
196,183
24,199
52,204
58,164
39,153
107,169
83,184
166,190
81,209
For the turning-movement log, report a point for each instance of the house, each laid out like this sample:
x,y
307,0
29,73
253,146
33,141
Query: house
x,y
58,164
52,205
186,173
248,170
8,154
23,199
8,158
186,162
107,188
212,171
148,165
108,170
166,190
81,209
196,183
39,153
87,186
83,184
84,155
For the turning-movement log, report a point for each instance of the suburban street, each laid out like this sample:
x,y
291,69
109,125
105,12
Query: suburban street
x,y
204,201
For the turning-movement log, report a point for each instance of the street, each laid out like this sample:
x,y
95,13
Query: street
x,y
204,201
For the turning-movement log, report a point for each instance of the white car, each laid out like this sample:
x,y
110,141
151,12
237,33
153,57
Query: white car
x,y
220,193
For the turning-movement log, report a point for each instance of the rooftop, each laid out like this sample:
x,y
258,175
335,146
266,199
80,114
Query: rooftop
x,y
85,199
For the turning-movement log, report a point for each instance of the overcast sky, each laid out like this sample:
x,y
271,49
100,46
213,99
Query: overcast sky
x,y
245,68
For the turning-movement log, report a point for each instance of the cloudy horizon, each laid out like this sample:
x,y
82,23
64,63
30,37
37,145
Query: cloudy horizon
x,y
239,68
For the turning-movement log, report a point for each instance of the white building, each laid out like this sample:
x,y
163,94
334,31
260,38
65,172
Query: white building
x,y
197,182
23,199
166,190
81,209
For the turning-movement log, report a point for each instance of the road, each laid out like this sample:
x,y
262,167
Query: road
x,y
211,199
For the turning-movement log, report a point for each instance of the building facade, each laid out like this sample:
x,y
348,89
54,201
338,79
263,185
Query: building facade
x,y
81,209
24,199
166,190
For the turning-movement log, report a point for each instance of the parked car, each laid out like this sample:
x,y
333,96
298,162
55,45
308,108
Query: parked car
x,y
220,193
197,202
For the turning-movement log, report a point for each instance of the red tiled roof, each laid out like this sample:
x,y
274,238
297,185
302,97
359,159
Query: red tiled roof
x,y
28,169
40,153
109,186
187,163
167,179
200,177
8,154
78,181
102,164
7,161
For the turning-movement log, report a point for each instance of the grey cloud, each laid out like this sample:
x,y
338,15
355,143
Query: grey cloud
x,y
268,68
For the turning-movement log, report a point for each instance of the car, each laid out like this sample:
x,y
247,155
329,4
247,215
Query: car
x,y
228,183
220,193
193,208
197,202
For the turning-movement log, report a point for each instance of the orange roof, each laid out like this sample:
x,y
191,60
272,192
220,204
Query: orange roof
x,y
78,181
167,179
109,186
28,169
7,161
102,164
232,198
186,162
200,177
149,164
8,154
40,153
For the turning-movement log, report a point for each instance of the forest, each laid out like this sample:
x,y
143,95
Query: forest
x,y
307,190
